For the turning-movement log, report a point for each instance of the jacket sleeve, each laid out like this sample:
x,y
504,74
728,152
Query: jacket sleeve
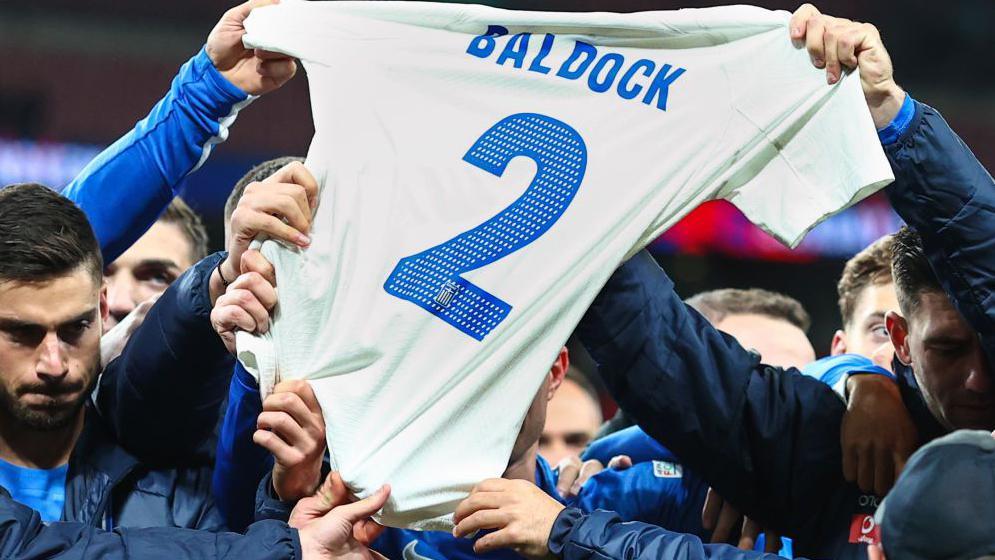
x,y
125,188
943,192
766,439
239,464
23,536
162,396
602,535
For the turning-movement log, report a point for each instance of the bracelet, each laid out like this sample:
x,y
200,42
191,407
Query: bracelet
x,y
221,275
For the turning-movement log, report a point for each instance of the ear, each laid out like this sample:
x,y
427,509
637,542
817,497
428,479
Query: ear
x,y
105,309
838,345
898,331
558,372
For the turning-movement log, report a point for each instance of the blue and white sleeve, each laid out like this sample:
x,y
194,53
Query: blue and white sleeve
x,y
836,370
125,188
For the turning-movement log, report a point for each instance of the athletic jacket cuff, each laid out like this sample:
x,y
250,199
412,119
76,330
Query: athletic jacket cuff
x,y
216,95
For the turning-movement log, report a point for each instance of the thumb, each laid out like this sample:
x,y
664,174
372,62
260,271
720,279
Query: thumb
x,y
364,508
242,11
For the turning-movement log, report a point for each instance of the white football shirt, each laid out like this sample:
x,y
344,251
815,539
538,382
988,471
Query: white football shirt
x,y
484,171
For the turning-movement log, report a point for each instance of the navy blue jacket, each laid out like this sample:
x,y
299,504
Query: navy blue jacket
x,y
23,536
765,438
135,463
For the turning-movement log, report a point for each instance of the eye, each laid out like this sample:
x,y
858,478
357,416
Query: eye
x,y
73,332
157,277
577,439
880,333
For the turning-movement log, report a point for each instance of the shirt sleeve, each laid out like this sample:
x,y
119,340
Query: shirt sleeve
x,y
816,151
239,464
127,186
836,370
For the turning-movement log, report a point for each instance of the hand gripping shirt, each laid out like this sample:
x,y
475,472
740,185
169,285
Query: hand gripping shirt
x,y
483,171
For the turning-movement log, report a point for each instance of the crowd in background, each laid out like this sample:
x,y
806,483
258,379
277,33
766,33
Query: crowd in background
x,y
127,428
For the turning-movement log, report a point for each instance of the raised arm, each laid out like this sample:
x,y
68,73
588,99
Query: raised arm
x,y
766,439
125,188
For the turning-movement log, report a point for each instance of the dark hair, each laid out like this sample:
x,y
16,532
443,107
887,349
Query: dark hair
x,y
717,304
43,236
911,270
180,213
258,173
870,267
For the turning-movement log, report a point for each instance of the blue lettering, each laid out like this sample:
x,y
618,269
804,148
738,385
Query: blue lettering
x,y
547,46
626,92
660,88
482,46
515,49
580,49
605,84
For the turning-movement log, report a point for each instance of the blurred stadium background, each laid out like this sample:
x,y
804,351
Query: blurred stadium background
x,y
78,73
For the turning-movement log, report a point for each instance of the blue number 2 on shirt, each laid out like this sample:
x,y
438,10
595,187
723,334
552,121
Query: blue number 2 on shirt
x,y
433,278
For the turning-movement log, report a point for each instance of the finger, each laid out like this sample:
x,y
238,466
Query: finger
x,y
293,404
251,224
284,204
364,508
484,519
569,469
477,502
333,491
620,462
367,531
846,53
284,453
814,41
491,485
295,172
884,472
255,284
302,389
299,195
226,318
270,55
247,301
496,540
254,261
240,12
850,461
748,536
799,20
710,512
865,471
587,470
831,51
729,520
278,70
284,425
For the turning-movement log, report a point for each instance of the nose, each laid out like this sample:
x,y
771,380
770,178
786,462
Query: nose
x,y
52,364
120,298
979,379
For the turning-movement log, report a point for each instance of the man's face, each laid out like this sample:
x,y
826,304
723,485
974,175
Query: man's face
x,y
49,348
146,269
778,342
866,333
572,420
949,363
535,417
